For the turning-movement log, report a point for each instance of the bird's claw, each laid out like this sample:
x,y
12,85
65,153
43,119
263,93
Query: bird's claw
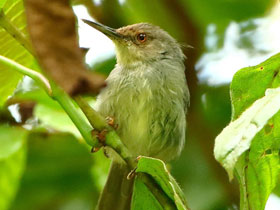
x,y
111,122
101,136
132,174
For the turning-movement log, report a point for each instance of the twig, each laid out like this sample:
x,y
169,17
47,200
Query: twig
x,y
97,121
80,122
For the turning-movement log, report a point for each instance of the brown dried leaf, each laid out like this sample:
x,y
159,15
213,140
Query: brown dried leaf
x,y
51,24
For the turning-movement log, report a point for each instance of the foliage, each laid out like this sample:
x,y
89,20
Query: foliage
x,y
254,129
157,169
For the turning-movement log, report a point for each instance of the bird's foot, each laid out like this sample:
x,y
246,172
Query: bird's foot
x,y
111,122
101,137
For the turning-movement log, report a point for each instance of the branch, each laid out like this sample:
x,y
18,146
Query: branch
x,y
95,119
80,122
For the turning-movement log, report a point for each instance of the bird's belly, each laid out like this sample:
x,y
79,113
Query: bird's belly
x,y
134,119
148,125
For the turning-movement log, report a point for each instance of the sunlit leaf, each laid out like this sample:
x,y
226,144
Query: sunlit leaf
x,y
157,169
12,17
255,128
237,136
143,198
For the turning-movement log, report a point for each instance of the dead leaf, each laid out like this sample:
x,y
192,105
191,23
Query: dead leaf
x,y
51,24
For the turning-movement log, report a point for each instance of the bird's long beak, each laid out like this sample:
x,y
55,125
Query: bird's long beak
x,y
109,32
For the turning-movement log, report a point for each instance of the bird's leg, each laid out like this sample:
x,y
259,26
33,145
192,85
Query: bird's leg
x,y
101,135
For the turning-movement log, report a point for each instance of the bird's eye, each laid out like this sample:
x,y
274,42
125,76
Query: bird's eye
x,y
142,37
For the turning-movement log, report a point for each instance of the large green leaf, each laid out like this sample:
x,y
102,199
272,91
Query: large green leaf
x,y
255,128
158,171
143,198
238,135
57,174
12,18
12,162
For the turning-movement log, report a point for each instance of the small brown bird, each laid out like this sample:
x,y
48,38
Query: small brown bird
x,y
147,95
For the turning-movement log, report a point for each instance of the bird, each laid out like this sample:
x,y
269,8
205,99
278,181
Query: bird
x,y
147,95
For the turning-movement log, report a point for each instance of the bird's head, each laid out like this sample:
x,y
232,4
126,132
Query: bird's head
x,y
142,42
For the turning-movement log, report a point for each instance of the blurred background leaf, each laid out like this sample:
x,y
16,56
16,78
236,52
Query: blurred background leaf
x,y
12,162
58,174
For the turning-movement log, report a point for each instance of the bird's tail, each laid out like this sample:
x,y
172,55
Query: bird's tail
x,y
117,192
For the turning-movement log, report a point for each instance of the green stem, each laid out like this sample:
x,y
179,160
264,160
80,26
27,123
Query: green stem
x,y
99,123
114,141
95,119
59,95
80,122
39,78
15,32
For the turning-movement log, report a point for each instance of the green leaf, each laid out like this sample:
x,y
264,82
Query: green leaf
x,y
12,162
12,18
142,198
238,135
99,169
57,174
255,130
11,141
250,84
157,169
